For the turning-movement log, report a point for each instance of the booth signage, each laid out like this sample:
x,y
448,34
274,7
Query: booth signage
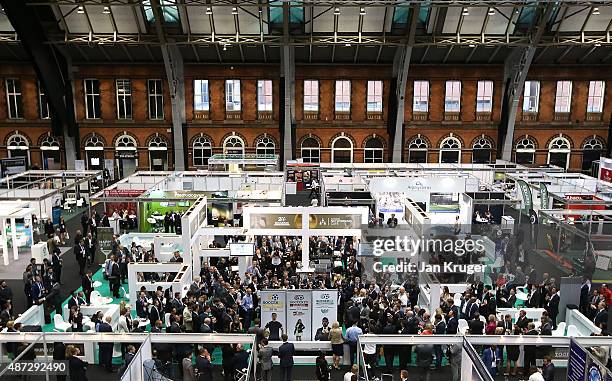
x,y
576,365
123,192
526,193
105,239
544,201
324,304
299,305
334,221
13,166
276,221
273,302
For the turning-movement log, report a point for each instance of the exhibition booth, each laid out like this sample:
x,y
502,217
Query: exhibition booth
x,y
16,230
243,162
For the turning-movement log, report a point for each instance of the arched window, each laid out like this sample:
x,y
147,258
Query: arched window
x,y
417,150
481,150
373,151
342,150
50,152
202,150
265,146
559,150
94,150
525,150
233,145
126,143
592,149
450,150
126,155
158,153
311,151
18,146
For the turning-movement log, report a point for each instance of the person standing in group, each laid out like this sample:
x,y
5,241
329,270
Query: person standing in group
x,y
77,368
114,277
322,370
90,249
337,342
188,368
56,263
63,232
85,222
285,353
59,354
352,335
265,359
87,285
203,366
80,254
106,348
454,358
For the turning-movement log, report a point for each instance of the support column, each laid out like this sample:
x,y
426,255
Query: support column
x,y
401,63
515,73
14,239
288,117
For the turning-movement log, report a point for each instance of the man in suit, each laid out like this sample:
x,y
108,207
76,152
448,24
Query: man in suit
x,y
142,306
265,359
39,291
285,354
79,253
472,308
585,289
56,264
522,320
476,325
439,329
76,300
87,285
552,307
534,298
490,357
114,277
529,357
106,349
601,317
203,366
548,369
452,324
90,248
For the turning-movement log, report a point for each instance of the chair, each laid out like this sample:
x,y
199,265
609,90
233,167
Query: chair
x,y
59,323
462,326
572,331
560,331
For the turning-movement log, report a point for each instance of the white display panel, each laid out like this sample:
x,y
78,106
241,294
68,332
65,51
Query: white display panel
x,y
242,249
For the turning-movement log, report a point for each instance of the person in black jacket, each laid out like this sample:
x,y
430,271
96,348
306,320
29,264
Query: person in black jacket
x,y
49,229
76,367
106,349
87,285
59,354
285,353
56,263
114,278
203,366
322,370
80,255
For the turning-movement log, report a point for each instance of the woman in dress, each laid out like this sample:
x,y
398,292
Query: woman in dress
x,y
337,342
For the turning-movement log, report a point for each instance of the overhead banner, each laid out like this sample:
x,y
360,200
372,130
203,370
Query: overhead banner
x,y
276,221
526,193
299,314
334,221
105,240
273,302
324,304
544,198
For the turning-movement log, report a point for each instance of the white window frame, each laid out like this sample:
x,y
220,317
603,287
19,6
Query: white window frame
x,y
374,96
484,96
233,140
334,149
232,95
563,97
372,151
420,99
93,94
531,102
264,95
595,98
14,98
309,158
482,144
264,145
124,98
420,145
525,145
18,142
43,103
554,147
311,95
201,95
154,95
157,143
446,146
452,96
200,144
343,96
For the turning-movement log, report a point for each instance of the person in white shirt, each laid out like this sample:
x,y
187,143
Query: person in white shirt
x,y
349,375
535,374
314,202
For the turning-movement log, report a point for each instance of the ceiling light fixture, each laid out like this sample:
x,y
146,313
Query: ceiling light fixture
x,y
224,47
106,10
472,46
80,10
337,11
465,12
596,11
234,10
348,45
597,44
491,12
362,11
208,11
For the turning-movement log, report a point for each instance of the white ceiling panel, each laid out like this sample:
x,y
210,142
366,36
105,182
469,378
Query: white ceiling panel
x,y
574,18
224,20
348,21
599,22
374,19
198,20
324,22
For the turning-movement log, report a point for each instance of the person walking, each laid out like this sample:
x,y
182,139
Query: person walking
x,y
87,285
114,278
81,256
454,358
265,359
352,335
106,349
188,368
285,353
76,367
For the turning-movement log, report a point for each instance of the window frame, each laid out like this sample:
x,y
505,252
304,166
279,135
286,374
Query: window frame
x,y
310,151
233,102
453,98
94,96
227,139
420,97
351,149
268,99
43,100
561,87
482,99
377,103
14,98
442,149
262,144
156,98
371,154
199,145
311,96
592,97
339,98
124,99
527,99
204,97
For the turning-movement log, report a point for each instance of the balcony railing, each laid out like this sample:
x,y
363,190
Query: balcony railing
x,y
452,116
593,116
311,115
201,115
420,116
264,115
233,115
530,116
374,115
483,116
343,115
561,117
